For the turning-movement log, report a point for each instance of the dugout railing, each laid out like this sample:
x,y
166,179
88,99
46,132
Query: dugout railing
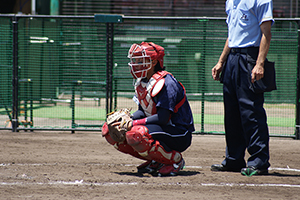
x,y
63,58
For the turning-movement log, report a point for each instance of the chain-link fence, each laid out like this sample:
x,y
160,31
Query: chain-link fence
x,y
67,72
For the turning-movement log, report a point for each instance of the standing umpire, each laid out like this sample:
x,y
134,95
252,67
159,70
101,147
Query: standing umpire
x,y
241,62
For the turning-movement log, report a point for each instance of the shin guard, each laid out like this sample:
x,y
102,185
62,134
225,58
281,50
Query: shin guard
x,y
142,142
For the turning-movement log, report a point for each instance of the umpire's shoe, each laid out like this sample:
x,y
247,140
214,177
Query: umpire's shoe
x,y
223,168
250,171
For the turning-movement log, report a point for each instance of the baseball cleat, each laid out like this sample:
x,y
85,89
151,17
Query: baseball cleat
x,y
250,171
150,167
223,168
171,170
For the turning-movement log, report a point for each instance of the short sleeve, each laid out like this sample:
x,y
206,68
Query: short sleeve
x,y
264,11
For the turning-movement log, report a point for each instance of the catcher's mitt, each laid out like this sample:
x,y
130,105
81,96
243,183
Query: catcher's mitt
x,y
117,123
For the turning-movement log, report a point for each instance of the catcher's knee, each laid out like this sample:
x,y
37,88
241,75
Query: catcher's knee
x,y
104,129
139,137
141,141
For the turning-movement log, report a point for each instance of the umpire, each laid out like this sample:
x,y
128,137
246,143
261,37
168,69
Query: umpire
x,y
242,62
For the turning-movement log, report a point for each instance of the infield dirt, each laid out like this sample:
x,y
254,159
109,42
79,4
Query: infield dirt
x,y
61,165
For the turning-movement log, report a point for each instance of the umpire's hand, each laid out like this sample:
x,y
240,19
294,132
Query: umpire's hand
x,y
216,70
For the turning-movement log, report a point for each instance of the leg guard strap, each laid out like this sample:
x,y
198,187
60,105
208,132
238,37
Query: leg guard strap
x,y
142,142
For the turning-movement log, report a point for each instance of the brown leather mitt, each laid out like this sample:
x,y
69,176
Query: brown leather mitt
x,y
117,123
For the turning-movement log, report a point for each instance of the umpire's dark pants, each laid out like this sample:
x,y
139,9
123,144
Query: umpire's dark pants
x,y
245,118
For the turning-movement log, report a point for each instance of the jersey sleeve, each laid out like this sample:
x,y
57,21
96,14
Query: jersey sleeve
x,y
170,94
264,11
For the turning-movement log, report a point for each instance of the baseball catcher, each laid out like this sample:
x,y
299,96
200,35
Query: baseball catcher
x,y
161,129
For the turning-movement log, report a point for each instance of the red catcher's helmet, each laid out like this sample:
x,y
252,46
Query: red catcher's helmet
x,y
142,52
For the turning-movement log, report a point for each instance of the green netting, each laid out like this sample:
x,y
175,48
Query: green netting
x,y
192,48
191,8
62,69
5,69
65,62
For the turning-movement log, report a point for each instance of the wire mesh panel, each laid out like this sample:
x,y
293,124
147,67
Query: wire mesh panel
x,y
6,51
192,48
64,59
280,104
191,8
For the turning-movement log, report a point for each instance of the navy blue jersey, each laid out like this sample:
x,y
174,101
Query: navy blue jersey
x,y
169,97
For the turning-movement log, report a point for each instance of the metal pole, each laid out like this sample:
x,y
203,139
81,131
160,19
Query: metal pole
x,y
15,110
109,20
202,73
109,66
111,50
297,129
203,85
73,106
31,104
107,69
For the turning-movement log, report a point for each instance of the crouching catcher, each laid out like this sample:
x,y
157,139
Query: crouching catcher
x,y
161,129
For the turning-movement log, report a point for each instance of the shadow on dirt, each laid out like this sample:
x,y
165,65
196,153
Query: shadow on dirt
x,y
181,173
282,175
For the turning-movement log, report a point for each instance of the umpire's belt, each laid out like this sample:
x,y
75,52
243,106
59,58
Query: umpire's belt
x,y
246,50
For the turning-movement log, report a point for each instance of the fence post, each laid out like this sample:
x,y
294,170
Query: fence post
x,y
109,65
109,19
202,74
297,131
15,110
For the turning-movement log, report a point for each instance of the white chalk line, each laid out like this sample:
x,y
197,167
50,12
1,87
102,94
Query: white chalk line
x,y
82,183
69,183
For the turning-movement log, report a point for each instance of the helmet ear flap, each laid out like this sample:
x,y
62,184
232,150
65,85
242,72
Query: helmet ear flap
x,y
159,55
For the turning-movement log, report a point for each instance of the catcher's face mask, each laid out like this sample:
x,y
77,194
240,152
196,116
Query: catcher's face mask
x,y
141,57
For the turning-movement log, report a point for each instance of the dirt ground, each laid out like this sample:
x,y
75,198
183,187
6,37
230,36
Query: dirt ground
x,y
61,165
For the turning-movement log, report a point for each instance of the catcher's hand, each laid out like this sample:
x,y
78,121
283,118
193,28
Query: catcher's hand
x,y
117,123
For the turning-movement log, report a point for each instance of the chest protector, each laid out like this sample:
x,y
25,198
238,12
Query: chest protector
x,y
146,91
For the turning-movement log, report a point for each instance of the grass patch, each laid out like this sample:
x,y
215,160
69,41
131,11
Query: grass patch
x,y
65,112
281,122
219,119
209,119
94,113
